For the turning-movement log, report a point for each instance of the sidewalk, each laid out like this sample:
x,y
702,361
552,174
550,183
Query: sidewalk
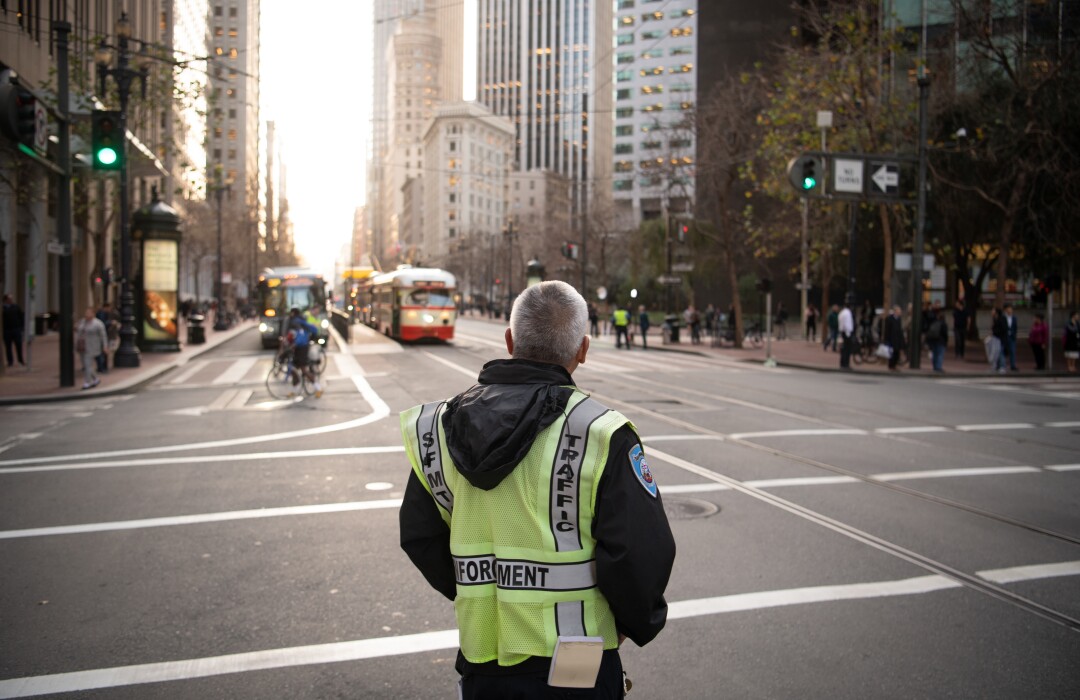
x,y
40,380
802,354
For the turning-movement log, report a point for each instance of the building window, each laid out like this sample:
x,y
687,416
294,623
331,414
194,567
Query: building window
x,y
655,34
627,57
652,89
217,154
626,21
232,12
453,232
626,4
232,113
652,16
624,130
652,53
218,31
624,185
651,145
232,154
453,198
682,31
623,148
623,94
677,14
232,134
624,75
680,143
624,39
656,70
624,112
624,166
217,10
233,33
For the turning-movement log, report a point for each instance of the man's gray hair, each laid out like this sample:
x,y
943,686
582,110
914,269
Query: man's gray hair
x,y
548,322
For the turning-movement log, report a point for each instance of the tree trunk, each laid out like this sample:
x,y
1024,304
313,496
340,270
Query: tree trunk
x,y
736,300
1006,237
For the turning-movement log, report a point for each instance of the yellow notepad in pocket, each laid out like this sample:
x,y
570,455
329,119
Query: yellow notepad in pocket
x,y
576,662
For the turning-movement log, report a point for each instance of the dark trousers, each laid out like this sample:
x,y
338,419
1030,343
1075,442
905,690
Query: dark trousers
x,y
845,352
644,333
533,686
620,333
13,337
958,342
1040,356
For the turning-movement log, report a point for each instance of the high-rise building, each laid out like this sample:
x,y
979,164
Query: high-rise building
x,y
547,66
655,63
417,24
233,123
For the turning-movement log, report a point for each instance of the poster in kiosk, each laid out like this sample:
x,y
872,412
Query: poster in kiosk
x,y
156,231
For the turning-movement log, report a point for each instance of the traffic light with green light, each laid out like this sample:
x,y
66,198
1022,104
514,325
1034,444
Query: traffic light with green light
x,y
806,174
107,140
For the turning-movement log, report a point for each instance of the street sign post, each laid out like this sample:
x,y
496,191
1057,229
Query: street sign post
x,y
848,175
673,280
886,178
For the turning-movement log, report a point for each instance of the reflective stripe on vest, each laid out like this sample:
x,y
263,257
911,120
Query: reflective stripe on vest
x,y
427,428
522,575
566,473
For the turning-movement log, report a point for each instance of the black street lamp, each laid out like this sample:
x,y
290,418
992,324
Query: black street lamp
x,y
127,355
221,322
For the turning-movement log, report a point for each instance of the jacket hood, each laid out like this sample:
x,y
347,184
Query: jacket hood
x,y
492,426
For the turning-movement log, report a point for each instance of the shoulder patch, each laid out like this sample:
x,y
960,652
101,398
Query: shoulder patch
x,y
641,470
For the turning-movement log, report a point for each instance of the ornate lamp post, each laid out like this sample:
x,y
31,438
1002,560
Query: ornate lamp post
x,y
127,355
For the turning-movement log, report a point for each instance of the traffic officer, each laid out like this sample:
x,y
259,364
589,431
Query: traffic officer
x,y
532,507
620,318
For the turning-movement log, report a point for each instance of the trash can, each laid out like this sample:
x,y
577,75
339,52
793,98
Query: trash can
x,y
196,334
671,325
42,323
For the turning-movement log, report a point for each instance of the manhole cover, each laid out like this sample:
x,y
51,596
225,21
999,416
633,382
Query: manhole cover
x,y
689,508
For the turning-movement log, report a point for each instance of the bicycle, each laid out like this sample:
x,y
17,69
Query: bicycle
x,y
753,337
285,380
317,359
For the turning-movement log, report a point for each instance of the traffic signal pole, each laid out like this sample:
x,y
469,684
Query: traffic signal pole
x,y
63,208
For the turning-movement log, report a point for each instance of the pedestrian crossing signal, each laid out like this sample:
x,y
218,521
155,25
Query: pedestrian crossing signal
x,y
107,140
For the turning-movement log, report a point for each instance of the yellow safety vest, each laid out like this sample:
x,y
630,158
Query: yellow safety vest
x,y
622,317
525,576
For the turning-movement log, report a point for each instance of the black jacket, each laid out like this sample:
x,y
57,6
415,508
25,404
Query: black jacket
x,y
489,429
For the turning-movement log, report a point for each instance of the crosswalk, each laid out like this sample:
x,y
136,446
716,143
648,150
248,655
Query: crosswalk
x,y
606,360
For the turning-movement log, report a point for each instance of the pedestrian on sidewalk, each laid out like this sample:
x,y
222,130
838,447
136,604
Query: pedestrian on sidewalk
x,y
620,318
781,321
91,340
960,327
893,337
1072,341
811,323
1039,338
995,342
643,323
832,322
845,322
1012,325
937,337
594,318
14,325
111,320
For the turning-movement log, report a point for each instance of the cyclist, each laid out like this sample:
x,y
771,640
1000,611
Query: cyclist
x,y
302,334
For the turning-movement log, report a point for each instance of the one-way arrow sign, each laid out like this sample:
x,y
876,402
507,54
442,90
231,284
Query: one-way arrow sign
x,y
886,178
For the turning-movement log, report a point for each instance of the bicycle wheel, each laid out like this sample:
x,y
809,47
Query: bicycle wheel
x,y
279,380
317,360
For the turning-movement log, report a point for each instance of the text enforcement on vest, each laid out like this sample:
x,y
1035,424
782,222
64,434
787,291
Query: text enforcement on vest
x,y
524,575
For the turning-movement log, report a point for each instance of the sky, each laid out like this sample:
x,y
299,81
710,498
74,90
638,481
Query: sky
x,y
315,85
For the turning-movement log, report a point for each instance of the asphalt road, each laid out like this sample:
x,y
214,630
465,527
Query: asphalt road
x,y
839,536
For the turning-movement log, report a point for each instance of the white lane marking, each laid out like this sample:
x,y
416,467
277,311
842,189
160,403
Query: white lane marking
x,y
1064,424
379,411
799,433
912,429
1027,573
381,647
383,486
188,372
223,400
240,400
477,339
456,367
230,663
237,371
1063,467
250,456
995,426
680,438
815,594
200,518
945,473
